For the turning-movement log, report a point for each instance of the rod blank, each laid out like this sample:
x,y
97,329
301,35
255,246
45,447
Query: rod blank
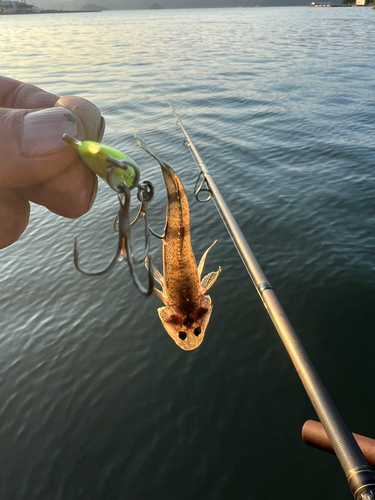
x,y
313,434
358,473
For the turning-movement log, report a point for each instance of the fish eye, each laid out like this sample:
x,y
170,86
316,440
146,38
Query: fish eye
x,y
197,331
182,335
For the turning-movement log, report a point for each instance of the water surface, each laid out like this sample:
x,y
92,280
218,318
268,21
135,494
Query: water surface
x,y
96,400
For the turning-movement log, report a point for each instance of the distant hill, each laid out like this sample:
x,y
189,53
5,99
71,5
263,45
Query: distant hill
x,y
170,4
196,4
92,6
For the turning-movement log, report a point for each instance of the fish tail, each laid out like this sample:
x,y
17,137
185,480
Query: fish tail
x,y
141,143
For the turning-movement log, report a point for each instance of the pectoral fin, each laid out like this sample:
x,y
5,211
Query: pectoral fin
x,y
209,280
203,260
158,277
159,294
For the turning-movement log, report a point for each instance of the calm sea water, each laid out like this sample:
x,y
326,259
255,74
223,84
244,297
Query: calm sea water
x,y
96,401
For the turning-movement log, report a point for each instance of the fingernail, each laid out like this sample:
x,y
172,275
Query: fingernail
x,y
101,129
43,131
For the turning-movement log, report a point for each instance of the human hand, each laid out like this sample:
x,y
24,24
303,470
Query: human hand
x,y
35,163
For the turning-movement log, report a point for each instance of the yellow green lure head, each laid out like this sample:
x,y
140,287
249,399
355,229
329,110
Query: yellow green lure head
x,y
111,165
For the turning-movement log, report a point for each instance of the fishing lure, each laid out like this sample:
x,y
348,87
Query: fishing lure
x,y
122,174
187,309
108,163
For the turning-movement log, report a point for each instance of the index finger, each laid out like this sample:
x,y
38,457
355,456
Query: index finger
x,y
18,95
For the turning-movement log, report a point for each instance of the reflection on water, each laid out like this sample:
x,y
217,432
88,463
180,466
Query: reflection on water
x,y
97,401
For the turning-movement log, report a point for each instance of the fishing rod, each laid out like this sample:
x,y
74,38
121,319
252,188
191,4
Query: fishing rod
x,y
360,476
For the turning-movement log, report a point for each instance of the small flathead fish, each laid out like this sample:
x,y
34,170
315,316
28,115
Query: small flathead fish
x,y
187,309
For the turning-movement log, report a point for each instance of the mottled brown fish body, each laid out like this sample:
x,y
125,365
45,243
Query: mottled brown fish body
x,y
187,310
182,283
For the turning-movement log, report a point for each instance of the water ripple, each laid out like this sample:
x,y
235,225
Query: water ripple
x,y
97,402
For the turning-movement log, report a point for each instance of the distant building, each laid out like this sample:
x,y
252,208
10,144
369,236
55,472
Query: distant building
x,y
15,7
322,4
362,2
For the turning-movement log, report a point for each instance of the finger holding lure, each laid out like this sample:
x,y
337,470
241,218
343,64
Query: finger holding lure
x,y
187,309
122,174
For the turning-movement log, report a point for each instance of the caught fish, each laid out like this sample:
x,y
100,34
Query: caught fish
x,y
187,309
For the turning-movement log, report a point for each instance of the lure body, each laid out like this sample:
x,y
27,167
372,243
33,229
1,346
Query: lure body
x,y
101,159
187,309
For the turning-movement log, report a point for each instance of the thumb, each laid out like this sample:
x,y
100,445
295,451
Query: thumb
x,y
31,147
89,117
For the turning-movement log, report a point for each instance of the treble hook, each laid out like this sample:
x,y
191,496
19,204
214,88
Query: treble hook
x,y
122,174
144,195
124,247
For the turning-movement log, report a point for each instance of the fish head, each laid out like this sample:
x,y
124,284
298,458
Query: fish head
x,y
187,330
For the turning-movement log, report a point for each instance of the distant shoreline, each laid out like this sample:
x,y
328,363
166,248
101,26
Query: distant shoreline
x,y
49,12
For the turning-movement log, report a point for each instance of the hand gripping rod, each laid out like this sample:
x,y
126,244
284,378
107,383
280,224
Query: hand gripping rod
x,y
360,477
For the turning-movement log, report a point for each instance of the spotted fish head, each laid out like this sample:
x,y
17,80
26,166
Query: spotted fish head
x,y
187,330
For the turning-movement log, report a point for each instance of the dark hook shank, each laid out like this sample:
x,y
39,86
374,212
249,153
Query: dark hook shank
x,y
124,247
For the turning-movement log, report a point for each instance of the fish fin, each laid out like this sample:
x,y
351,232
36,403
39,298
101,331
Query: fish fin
x,y
203,260
209,280
159,294
158,277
